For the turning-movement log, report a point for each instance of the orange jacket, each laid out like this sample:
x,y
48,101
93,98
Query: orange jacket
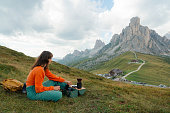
x,y
36,77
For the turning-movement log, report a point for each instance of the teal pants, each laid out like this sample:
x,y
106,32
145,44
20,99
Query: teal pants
x,y
51,95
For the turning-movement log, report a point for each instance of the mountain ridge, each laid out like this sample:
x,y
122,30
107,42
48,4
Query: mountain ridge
x,y
133,37
79,55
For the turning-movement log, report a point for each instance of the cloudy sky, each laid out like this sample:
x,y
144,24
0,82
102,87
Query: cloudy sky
x,y
61,26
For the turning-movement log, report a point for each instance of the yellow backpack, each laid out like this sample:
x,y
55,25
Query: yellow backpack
x,y
12,84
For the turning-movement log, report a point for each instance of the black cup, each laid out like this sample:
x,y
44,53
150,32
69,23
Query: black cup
x,y
79,84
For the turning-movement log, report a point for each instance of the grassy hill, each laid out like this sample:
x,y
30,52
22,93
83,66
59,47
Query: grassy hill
x,y
156,70
120,62
102,95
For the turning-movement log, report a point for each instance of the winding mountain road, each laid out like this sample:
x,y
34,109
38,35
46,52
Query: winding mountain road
x,y
134,70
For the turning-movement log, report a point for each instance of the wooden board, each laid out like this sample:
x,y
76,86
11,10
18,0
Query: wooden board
x,y
80,89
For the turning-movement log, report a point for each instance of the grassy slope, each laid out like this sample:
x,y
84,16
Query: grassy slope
x,y
120,62
102,95
155,71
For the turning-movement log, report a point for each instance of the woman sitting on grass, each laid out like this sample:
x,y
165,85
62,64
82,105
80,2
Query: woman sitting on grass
x,y
48,90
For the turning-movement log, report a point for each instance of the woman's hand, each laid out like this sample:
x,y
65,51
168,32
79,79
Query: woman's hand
x,y
57,88
68,82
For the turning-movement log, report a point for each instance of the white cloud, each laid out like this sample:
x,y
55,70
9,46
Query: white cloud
x,y
70,19
61,26
34,46
153,13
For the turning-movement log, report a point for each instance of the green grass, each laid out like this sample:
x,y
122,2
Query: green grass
x,y
102,95
120,62
156,70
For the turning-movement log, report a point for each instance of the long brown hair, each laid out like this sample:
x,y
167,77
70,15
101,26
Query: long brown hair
x,y
43,59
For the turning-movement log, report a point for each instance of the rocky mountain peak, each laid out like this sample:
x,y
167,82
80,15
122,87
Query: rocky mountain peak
x,y
133,37
76,53
135,21
139,38
99,44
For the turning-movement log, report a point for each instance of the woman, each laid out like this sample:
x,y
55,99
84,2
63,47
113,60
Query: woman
x,y
49,90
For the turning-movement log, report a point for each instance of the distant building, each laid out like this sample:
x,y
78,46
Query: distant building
x,y
115,72
135,61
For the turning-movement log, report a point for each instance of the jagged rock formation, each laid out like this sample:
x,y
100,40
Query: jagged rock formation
x,y
134,37
138,38
77,56
99,45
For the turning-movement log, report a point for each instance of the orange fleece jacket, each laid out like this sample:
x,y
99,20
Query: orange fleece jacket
x,y
36,77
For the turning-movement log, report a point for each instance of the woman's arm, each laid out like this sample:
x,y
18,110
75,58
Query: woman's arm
x,y
68,82
53,77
